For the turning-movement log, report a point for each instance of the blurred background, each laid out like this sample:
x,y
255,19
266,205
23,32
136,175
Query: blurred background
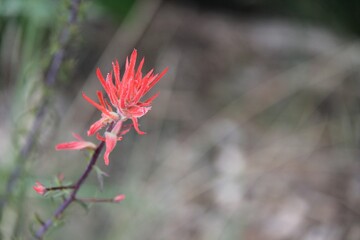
x,y
255,134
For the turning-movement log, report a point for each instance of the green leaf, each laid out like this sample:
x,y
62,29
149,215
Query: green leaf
x,y
100,176
83,205
39,219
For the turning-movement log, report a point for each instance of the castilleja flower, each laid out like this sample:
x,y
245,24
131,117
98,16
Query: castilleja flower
x,y
124,100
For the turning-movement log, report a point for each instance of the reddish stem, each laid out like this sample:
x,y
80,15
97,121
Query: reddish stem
x,y
48,223
60,188
95,200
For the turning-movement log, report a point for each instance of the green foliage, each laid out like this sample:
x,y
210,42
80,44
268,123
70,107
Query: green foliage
x,y
118,9
39,11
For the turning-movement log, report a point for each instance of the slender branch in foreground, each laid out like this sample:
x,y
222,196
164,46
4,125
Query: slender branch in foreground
x,y
63,40
59,188
48,223
115,199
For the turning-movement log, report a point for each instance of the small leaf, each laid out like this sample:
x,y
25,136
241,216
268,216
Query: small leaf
x,y
38,219
58,179
58,223
83,205
60,194
100,176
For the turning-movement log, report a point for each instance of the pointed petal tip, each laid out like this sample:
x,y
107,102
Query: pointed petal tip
x,y
133,55
106,159
136,126
140,132
77,136
110,141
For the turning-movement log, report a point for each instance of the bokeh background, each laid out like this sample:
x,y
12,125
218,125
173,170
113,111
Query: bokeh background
x,y
255,134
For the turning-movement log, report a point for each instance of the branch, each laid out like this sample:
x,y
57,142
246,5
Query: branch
x,y
48,223
63,40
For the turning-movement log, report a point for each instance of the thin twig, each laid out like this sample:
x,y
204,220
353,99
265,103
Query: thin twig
x,y
48,223
59,188
96,200
63,40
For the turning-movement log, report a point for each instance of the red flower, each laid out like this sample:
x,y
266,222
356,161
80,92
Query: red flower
x,y
39,188
75,145
125,97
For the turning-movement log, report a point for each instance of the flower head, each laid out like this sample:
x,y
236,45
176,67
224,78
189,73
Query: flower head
x,y
124,100
39,188
76,145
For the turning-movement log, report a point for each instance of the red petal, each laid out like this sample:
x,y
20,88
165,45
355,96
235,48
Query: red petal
x,y
96,126
101,99
99,137
111,92
78,137
98,106
142,89
75,145
137,111
136,126
125,129
148,101
117,128
110,141
138,72
116,69
157,78
129,71
101,79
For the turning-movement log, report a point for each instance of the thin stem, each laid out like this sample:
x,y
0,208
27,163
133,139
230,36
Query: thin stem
x,y
115,199
48,223
95,200
63,40
59,188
